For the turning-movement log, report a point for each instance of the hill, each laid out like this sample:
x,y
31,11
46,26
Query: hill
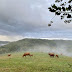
x,y
39,45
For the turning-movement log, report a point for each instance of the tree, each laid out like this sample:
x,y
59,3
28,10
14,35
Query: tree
x,y
63,9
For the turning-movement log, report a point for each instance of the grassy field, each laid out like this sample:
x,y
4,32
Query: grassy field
x,y
40,62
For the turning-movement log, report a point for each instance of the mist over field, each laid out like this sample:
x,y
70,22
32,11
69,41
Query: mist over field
x,y
57,50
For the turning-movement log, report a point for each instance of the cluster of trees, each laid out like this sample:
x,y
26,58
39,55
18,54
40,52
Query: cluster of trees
x,y
63,9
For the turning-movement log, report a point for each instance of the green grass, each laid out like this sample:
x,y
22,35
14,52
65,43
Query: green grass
x,y
40,62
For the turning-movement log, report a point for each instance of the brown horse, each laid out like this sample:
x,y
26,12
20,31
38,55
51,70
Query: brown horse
x,y
57,56
51,54
9,54
26,54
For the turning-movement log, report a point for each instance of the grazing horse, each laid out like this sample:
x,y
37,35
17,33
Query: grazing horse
x,y
26,54
51,54
57,56
9,54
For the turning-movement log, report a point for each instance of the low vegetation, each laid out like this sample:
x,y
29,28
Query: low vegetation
x,y
39,62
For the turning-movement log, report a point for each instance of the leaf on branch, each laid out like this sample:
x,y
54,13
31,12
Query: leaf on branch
x,y
59,8
51,10
62,4
67,21
65,14
62,17
54,6
69,1
51,21
63,8
57,13
49,24
69,16
69,8
58,0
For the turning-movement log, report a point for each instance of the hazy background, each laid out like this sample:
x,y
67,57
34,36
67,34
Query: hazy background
x,y
63,47
29,19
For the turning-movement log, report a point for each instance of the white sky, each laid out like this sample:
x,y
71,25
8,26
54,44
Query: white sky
x,y
29,18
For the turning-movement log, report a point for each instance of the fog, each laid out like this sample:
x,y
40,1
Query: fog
x,y
57,50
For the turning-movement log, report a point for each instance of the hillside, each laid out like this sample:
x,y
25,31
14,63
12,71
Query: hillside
x,y
40,45
3,43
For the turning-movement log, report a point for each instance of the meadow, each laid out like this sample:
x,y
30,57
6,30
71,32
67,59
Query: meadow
x,y
39,62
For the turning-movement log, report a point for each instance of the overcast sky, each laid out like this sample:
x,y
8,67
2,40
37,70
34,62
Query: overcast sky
x,y
29,19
